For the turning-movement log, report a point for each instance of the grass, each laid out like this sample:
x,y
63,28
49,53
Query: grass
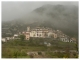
x,y
22,47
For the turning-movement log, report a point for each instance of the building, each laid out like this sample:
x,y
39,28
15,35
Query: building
x,y
65,39
38,32
41,32
48,44
3,40
16,36
55,35
7,38
73,40
27,34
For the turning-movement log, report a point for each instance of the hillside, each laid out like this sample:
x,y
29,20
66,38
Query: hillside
x,y
20,48
62,17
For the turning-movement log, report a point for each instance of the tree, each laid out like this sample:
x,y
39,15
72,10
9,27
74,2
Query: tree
x,y
22,37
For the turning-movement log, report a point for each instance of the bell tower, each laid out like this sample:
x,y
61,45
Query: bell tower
x,y
28,28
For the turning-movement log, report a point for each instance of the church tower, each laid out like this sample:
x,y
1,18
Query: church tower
x,y
28,29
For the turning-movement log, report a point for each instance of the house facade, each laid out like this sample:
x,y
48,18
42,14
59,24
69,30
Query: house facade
x,y
41,32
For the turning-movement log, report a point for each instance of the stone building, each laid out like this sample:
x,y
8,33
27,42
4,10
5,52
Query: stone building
x,y
65,39
27,34
41,32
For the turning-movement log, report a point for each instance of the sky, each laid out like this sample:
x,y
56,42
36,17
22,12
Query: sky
x,y
15,10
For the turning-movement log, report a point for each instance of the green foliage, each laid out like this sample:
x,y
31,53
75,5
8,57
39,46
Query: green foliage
x,y
19,48
22,37
12,53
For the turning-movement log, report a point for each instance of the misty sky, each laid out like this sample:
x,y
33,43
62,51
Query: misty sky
x,y
15,10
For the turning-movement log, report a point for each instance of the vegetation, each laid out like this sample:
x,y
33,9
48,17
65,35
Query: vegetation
x,y
39,53
19,49
22,37
64,18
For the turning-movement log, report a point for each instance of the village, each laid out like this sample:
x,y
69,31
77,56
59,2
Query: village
x,y
40,29
43,40
41,32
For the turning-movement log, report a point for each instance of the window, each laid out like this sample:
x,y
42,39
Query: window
x,y
37,34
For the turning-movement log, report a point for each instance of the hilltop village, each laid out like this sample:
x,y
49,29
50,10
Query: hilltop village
x,y
41,32
40,42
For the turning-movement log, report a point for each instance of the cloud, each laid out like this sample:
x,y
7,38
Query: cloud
x,y
15,10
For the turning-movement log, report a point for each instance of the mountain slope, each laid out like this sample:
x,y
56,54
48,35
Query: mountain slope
x,y
62,17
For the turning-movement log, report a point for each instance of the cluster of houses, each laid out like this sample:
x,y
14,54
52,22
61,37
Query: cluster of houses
x,y
41,32
16,36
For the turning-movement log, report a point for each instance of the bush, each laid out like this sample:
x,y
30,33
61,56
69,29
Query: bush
x,y
22,37
39,53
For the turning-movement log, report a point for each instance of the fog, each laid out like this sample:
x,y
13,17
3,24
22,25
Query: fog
x,y
16,10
